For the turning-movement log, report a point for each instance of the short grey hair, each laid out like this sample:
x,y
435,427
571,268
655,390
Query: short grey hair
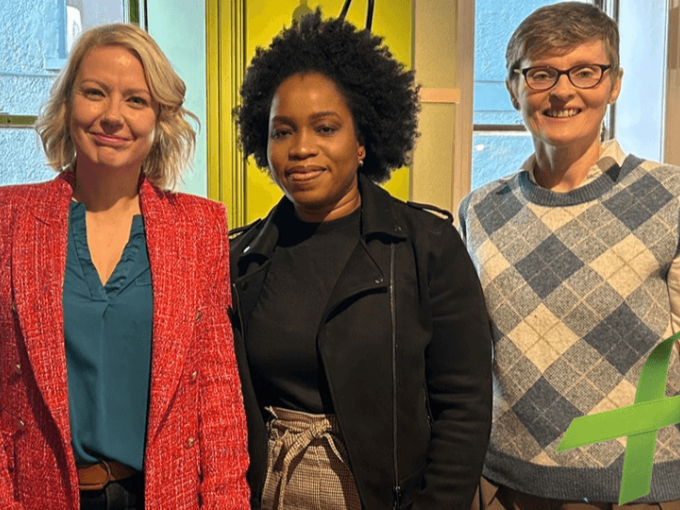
x,y
562,26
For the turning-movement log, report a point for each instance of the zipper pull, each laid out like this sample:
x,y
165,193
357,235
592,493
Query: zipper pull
x,y
397,497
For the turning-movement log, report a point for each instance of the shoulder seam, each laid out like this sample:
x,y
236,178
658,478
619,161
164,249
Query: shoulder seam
x,y
432,209
239,230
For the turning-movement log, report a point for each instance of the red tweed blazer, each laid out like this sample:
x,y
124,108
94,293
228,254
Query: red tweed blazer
x,y
196,453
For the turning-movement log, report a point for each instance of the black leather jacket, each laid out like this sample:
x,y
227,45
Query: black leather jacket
x,y
406,346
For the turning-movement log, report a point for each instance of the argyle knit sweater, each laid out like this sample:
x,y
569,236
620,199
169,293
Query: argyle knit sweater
x,y
577,294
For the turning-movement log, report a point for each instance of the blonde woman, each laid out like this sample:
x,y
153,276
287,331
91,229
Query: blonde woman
x,y
118,386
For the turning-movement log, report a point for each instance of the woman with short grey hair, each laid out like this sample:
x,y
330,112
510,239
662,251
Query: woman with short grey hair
x,y
577,255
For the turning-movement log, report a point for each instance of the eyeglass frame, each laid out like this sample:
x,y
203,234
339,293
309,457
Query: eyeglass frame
x,y
525,71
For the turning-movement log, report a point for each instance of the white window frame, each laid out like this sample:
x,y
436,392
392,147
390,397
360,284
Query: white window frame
x,y
56,61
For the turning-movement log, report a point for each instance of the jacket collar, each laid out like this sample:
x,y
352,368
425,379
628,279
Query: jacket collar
x,y
378,216
53,206
54,201
377,219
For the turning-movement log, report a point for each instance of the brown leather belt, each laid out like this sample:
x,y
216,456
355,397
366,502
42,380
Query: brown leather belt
x,y
95,477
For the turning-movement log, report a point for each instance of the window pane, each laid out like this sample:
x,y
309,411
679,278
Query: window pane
x,y
497,154
494,24
23,159
34,46
83,14
640,108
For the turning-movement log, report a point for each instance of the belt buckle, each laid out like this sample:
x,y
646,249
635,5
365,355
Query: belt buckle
x,y
97,486
109,476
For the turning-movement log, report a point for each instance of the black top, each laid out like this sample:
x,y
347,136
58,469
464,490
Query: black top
x,y
283,355
406,349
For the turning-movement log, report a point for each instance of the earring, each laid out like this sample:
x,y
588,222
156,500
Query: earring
x,y
361,162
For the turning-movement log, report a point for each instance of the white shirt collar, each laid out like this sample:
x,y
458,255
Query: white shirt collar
x,y
610,154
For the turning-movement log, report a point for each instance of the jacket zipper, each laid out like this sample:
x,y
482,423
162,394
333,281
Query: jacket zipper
x,y
428,409
397,488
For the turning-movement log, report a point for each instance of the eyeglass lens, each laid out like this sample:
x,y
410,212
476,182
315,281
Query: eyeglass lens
x,y
583,76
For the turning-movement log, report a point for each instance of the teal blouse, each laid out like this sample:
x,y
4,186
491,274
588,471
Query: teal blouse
x,y
107,330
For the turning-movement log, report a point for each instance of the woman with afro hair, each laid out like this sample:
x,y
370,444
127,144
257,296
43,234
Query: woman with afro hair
x,y
360,327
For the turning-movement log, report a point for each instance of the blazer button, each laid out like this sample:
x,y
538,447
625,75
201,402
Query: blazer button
x,y
190,442
198,316
14,306
194,374
17,369
20,423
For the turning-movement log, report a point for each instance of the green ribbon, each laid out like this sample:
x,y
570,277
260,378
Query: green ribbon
x,y
640,422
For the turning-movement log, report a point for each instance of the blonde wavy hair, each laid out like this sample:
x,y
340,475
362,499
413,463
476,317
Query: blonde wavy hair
x,y
174,139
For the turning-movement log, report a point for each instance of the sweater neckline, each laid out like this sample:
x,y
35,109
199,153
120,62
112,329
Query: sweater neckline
x,y
591,191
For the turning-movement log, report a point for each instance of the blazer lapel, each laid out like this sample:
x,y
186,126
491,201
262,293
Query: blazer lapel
x,y
171,252
38,264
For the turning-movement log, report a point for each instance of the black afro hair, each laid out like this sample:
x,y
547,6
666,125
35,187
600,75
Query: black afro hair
x,y
380,92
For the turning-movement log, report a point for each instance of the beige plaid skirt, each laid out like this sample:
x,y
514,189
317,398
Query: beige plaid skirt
x,y
307,464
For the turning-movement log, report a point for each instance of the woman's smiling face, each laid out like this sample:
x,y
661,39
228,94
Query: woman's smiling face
x,y
565,116
112,114
313,149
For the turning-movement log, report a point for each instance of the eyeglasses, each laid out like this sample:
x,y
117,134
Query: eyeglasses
x,y
582,76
